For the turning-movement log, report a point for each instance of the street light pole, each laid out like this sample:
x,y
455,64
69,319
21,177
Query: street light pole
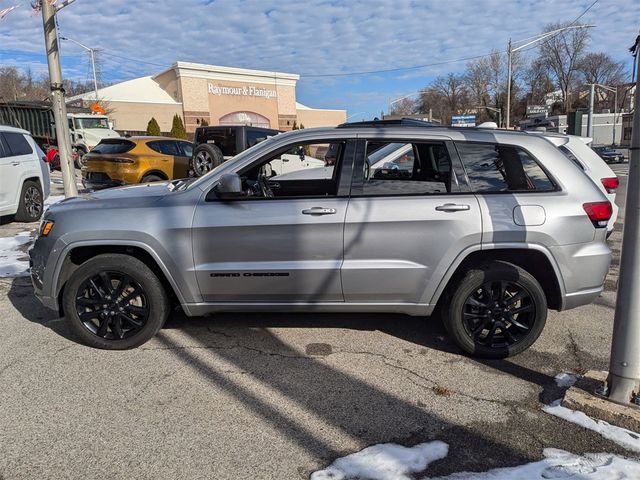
x,y
511,50
624,367
93,63
57,99
592,89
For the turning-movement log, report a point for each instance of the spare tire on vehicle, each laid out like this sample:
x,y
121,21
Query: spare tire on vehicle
x,y
206,157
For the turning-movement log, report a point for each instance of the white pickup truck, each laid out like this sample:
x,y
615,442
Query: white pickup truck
x,y
86,132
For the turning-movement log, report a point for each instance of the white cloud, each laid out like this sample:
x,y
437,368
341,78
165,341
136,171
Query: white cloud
x,y
313,36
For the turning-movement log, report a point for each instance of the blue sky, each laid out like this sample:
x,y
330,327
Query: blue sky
x,y
314,37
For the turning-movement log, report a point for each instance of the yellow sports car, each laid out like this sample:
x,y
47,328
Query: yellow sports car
x,y
122,161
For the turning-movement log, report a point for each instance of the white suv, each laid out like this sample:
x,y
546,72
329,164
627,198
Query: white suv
x,y
24,175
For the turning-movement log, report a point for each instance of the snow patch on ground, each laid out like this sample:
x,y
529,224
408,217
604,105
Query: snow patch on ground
x,y
12,259
566,379
560,464
387,461
394,462
621,436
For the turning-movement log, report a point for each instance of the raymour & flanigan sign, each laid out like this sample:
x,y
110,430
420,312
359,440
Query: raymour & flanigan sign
x,y
243,91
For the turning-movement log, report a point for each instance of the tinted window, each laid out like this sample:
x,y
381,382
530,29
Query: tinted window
x,y
256,136
113,146
406,169
186,149
18,145
223,138
502,168
166,147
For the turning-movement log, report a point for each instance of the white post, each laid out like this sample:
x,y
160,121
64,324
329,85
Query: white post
x,y
590,115
93,66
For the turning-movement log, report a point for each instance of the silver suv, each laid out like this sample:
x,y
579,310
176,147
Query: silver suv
x,y
493,227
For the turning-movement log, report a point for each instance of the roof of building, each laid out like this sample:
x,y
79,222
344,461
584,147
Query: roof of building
x,y
138,90
217,69
300,106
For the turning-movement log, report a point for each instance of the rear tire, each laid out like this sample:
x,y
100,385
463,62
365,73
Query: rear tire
x,y
152,178
31,203
114,302
205,158
497,310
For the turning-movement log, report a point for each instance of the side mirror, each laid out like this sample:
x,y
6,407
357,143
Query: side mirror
x,y
229,187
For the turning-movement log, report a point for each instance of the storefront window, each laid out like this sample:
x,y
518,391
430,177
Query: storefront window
x,y
245,118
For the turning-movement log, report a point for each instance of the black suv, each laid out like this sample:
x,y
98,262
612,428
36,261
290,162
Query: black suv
x,y
214,145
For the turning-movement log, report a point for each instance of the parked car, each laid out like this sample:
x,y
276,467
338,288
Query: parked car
x,y
609,155
24,175
125,161
577,150
492,227
215,144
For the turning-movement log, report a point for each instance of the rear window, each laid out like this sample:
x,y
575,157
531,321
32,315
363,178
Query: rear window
x,y
18,145
502,168
222,137
113,146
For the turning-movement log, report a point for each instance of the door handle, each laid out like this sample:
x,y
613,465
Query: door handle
x,y
452,207
15,164
319,211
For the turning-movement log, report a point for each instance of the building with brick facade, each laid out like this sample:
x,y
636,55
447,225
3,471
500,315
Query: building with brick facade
x,y
218,95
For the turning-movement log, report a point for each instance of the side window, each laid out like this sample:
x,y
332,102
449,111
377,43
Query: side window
x,y
401,168
302,170
255,136
186,149
166,147
4,149
502,168
18,145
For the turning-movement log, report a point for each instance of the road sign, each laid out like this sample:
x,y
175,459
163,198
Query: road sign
x,y
463,121
534,110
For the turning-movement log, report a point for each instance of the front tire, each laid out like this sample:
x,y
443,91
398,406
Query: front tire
x,y
31,203
114,302
498,310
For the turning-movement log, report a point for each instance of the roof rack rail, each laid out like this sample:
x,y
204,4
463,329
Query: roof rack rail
x,y
407,122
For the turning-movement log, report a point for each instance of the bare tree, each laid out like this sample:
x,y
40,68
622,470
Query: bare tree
x,y
562,54
450,96
406,106
477,78
537,82
601,68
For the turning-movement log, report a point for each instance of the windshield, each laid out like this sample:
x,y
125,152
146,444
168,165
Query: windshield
x,y
92,122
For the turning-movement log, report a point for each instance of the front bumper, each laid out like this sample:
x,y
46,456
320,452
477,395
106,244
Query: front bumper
x,y
37,262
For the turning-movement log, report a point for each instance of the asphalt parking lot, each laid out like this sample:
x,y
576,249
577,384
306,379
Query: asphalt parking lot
x,y
280,395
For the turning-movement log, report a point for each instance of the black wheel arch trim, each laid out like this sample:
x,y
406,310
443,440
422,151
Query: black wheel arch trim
x,y
496,249
65,267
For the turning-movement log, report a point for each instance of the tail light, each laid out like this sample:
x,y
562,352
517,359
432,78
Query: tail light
x,y
121,160
610,184
599,213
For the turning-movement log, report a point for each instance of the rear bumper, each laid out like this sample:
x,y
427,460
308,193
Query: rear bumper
x,y
584,268
100,180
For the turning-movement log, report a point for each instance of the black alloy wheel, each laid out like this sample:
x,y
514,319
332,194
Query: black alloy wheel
x,y
114,301
33,201
112,305
496,310
499,314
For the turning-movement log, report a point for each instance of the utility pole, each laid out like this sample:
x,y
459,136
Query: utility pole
x,y
592,89
57,97
623,383
509,53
